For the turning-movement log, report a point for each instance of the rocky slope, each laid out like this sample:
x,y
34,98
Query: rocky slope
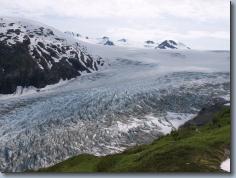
x,y
33,54
170,44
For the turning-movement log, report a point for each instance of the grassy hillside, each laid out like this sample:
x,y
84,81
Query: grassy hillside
x,y
190,149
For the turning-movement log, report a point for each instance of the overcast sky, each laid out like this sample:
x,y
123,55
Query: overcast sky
x,y
201,24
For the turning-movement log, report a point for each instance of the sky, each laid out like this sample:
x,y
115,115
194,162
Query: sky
x,y
200,24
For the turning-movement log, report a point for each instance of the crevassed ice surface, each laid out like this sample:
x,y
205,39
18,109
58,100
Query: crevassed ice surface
x,y
138,96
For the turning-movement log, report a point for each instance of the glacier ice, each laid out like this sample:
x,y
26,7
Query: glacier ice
x,y
137,97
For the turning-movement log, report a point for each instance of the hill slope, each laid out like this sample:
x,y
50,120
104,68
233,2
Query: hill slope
x,y
190,149
33,54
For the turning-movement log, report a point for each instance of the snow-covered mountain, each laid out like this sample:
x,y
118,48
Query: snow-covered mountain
x,y
101,41
105,41
122,40
33,54
171,44
72,34
152,44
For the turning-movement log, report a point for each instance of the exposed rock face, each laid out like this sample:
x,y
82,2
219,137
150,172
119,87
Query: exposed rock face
x,y
105,41
150,42
122,40
35,55
207,114
109,43
170,44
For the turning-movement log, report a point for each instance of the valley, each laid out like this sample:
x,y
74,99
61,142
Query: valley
x,y
136,96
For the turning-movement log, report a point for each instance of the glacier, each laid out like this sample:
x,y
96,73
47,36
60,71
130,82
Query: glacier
x,y
138,96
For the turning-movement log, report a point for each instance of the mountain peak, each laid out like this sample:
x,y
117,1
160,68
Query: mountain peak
x,y
150,42
109,43
171,44
122,40
105,38
39,55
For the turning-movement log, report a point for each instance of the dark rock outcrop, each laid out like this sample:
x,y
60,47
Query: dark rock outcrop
x,y
32,55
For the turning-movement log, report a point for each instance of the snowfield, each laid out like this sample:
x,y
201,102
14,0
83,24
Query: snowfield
x,y
139,95
225,165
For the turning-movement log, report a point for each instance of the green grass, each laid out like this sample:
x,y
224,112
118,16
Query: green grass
x,y
190,149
